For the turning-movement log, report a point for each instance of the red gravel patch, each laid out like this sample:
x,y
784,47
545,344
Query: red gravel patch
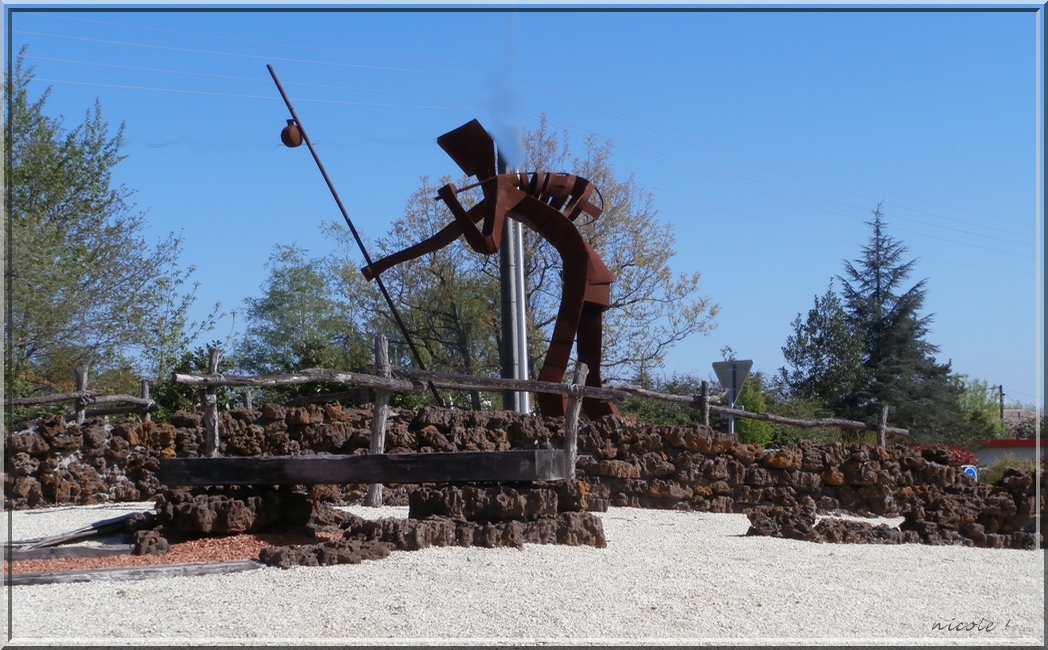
x,y
206,549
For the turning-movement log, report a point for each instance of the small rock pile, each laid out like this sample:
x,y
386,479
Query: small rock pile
x,y
57,462
231,510
490,517
980,515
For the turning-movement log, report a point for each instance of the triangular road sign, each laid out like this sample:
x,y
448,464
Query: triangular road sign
x,y
731,375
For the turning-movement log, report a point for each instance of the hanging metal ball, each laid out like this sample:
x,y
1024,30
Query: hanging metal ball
x,y
291,136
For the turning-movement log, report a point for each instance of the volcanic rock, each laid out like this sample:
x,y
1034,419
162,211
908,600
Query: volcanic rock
x,y
482,504
342,551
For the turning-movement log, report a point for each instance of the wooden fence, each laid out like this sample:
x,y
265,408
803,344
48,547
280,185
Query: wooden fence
x,y
82,398
387,380
377,468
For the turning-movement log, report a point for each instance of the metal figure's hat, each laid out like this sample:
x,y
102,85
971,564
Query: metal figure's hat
x,y
472,148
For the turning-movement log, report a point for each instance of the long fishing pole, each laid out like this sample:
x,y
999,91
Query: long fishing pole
x,y
356,236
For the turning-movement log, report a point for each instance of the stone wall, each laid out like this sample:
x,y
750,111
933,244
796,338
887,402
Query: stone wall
x,y
621,463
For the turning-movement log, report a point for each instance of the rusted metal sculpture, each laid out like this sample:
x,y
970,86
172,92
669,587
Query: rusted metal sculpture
x,y
548,203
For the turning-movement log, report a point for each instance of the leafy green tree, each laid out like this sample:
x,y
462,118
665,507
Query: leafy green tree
x,y
449,299
824,352
981,409
84,285
300,321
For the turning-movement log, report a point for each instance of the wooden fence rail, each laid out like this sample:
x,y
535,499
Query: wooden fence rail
x,y
389,380
82,398
704,401
377,468
413,380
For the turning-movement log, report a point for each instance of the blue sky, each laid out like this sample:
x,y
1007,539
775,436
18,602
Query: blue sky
x,y
766,137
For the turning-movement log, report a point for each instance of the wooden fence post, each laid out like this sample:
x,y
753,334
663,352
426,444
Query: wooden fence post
x,y
571,420
80,377
882,434
245,398
373,497
705,400
211,442
146,417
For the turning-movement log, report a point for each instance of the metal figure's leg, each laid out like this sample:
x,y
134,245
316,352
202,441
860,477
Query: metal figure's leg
x,y
559,352
586,283
589,347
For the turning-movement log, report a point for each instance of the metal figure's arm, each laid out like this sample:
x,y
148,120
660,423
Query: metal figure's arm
x,y
445,236
484,241
579,201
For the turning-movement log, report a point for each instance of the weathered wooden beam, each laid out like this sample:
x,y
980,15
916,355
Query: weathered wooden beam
x,y
86,396
80,376
51,553
132,573
128,399
415,379
824,422
98,529
882,427
571,419
494,384
134,405
450,467
210,414
704,401
380,413
145,395
690,400
288,379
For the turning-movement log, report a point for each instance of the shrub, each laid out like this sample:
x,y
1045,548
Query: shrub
x,y
1027,427
753,431
995,471
954,455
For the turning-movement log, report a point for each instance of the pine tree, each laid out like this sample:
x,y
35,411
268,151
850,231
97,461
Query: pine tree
x,y
898,365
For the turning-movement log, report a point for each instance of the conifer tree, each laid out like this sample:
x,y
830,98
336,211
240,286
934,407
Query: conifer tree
x,y
866,347
898,365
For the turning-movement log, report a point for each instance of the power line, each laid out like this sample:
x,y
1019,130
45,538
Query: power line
x,y
243,96
745,157
256,42
186,50
663,159
207,76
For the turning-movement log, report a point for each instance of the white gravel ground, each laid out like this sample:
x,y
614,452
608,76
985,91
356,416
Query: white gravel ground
x,y
665,578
